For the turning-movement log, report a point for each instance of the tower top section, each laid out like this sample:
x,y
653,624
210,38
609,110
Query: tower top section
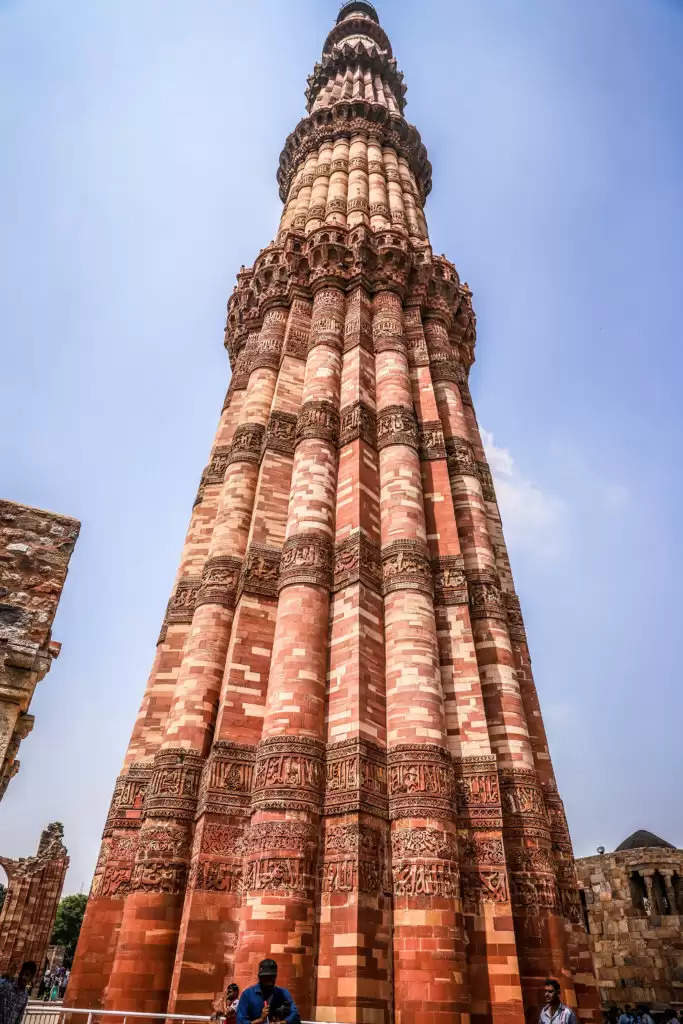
x,y
356,86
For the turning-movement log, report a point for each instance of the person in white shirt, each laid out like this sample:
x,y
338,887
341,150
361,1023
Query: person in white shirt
x,y
554,1011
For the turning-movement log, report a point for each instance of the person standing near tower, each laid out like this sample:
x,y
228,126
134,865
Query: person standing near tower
x,y
266,1001
554,1011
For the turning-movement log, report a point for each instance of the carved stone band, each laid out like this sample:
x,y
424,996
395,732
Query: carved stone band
x,y
514,617
358,421
396,424
183,599
246,443
125,810
280,433
424,862
486,596
406,566
461,461
450,582
260,571
356,778
307,558
421,782
289,774
319,420
486,481
357,560
174,786
215,471
227,779
219,581
431,440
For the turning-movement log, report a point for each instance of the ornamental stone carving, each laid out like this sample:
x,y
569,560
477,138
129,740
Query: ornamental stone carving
x,y
182,603
420,782
396,424
215,471
431,441
174,786
219,581
478,792
126,806
307,558
486,596
319,420
357,560
483,887
450,581
280,433
227,778
515,621
424,863
247,443
406,566
260,571
461,461
522,801
486,481
289,774
356,778
358,421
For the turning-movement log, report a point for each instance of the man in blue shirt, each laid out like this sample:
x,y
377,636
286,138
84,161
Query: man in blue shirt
x,y
266,1002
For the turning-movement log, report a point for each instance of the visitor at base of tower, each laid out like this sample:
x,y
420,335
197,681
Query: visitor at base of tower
x,y
225,1007
554,1011
14,994
265,1001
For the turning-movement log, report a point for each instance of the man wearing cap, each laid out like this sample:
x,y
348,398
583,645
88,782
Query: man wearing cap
x,y
265,1001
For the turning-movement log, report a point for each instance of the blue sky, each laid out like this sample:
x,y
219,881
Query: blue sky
x,y
140,143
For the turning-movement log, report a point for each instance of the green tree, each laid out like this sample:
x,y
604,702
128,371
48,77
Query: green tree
x,y
68,924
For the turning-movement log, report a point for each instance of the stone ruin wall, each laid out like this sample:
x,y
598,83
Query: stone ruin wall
x,y
35,548
633,907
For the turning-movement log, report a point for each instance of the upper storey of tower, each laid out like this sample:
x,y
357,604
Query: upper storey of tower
x,y
356,87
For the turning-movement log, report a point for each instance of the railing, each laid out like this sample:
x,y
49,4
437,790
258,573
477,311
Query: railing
x,y
55,1013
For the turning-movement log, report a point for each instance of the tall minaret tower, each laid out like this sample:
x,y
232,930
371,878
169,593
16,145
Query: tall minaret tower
x,y
339,759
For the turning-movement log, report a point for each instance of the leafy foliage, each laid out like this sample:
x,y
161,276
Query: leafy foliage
x,y
68,923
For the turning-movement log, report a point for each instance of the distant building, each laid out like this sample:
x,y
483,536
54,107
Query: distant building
x,y
35,548
633,910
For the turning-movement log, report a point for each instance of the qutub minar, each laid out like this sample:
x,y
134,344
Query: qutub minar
x,y
340,760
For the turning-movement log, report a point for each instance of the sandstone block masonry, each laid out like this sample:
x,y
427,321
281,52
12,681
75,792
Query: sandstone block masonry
x,y
35,548
339,759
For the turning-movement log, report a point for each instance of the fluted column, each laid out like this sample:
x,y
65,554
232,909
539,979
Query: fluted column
x,y
163,855
429,961
354,938
358,204
397,208
211,909
321,183
115,865
335,211
279,883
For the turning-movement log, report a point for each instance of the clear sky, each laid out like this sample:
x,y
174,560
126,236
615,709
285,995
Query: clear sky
x,y
139,146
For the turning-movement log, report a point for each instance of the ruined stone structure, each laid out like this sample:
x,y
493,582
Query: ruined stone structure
x,y
35,548
339,759
28,913
633,911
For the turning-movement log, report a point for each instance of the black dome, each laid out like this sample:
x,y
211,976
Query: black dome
x,y
643,838
360,7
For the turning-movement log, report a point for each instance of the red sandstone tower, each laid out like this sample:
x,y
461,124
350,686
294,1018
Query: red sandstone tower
x,y
339,759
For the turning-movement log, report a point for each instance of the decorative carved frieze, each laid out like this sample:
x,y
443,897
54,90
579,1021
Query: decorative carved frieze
x,y
444,370
227,778
216,876
524,811
357,560
486,596
246,444
174,786
478,791
260,571
486,481
396,424
358,421
356,778
215,471
421,782
319,420
483,850
307,558
424,863
182,603
280,433
483,886
125,810
461,461
161,861
406,566
219,581
431,441
289,774
354,859
515,621
450,582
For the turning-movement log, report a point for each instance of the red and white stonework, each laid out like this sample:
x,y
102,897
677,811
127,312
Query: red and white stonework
x,y
339,759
